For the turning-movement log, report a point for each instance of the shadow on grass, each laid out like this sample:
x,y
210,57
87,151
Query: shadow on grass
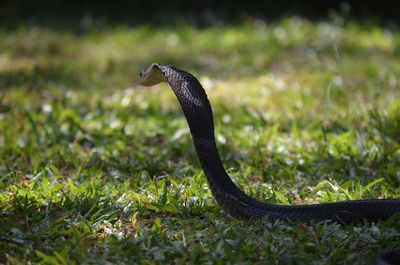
x,y
67,15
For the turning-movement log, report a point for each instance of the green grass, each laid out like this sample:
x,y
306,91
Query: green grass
x,y
96,169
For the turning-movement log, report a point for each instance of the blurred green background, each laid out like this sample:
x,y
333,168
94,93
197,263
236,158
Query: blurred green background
x,y
96,169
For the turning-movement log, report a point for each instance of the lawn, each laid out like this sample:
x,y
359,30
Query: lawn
x,y
97,169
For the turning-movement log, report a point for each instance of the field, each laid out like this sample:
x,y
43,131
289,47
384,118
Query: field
x,y
97,169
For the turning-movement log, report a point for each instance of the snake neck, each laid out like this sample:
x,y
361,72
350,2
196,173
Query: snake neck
x,y
198,113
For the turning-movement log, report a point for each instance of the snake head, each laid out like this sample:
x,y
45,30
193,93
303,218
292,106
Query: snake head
x,y
152,75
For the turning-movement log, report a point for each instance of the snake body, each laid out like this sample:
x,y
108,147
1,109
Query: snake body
x,y
198,112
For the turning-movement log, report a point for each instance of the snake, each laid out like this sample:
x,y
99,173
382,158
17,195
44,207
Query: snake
x,y
198,112
197,109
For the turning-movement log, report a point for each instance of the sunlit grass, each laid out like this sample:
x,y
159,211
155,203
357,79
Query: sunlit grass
x,y
95,168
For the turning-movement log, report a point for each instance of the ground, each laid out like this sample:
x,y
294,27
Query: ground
x,y
95,168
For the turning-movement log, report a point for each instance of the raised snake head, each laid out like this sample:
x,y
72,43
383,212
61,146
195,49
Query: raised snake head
x,y
151,76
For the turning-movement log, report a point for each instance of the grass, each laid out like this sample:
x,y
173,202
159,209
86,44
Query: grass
x,y
96,169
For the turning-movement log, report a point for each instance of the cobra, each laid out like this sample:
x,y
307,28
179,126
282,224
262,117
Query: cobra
x,y
199,115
